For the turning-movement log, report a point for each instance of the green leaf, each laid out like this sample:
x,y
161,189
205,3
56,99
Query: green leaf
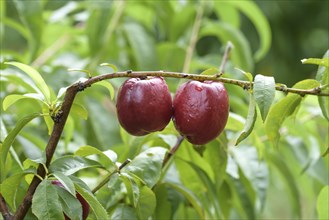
x,y
254,170
30,13
9,187
250,121
72,164
181,23
228,13
45,202
146,203
258,19
98,19
147,165
19,79
68,130
70,204
11,99
245,204
36,77
235,122
48,120
163,208
123,211
211,71
66,181
291,185
4,148
95,206
112,66
144,55
79,110
322,203
108,86
211,192
106,158
322,76
317,61
264,92
164,56
241,55
189,196
284,108
132,188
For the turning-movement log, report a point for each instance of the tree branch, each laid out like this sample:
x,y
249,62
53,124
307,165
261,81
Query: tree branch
x,y
75,88
243,84
4,208
50,149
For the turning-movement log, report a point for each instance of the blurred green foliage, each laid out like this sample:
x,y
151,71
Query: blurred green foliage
x,y
220,181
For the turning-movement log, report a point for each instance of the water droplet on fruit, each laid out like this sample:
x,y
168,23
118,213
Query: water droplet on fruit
x,y
198,88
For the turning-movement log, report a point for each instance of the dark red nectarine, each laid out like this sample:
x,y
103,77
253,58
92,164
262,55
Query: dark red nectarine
x,y
200,110
144,105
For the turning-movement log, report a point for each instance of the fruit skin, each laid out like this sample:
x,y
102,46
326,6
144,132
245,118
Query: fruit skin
x,y
144,105
84,203
200,110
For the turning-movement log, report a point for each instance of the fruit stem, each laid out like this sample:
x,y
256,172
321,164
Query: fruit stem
x,y
173,150
108,176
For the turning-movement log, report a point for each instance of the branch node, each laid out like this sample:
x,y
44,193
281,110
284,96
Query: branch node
x,y
81,86
56,118
246,86
124,164
317,89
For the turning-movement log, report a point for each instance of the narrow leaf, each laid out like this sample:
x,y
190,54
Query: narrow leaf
x,y
106,158
284,108
72,164
66,181
112,66
250,121
317,61
45,202
211,71
70,204
96,207
108,86
147,165
189,196
80,110
123,211
241,55
288,177
146,203
322,76
145,56
258,19
132,188
4,148
36,77
322,203
11,99
9,187
264,92
30,13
